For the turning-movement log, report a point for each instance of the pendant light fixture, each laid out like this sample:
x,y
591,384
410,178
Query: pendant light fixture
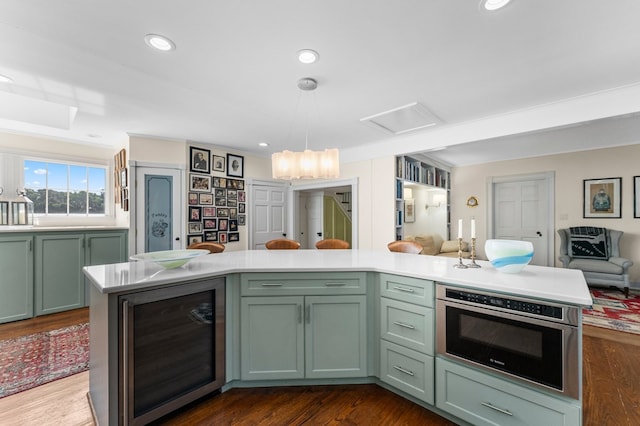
x,y
306,164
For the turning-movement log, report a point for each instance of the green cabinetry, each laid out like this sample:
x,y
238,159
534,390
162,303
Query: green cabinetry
x,y
305,326
482,399
60,256
16,277
407,330
43,270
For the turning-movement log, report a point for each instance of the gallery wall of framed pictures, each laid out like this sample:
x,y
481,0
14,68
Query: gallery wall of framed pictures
x,y
121,180
217,199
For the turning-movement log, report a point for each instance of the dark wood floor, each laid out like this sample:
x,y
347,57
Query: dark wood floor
x,y
611,373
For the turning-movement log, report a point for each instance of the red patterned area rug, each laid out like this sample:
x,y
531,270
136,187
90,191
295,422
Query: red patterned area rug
x,y
30,361
612,310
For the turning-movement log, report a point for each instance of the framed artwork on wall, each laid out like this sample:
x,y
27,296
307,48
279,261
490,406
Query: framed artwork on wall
x,y
199,183
636,197
199,160
602,198
218,163
235,165
409,210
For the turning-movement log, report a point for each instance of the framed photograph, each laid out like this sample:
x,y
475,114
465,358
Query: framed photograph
x,y
200,183
235,165
233,225
123,178
195,214
232,193
193,198
242,196
218,163
195,227
232,183
211,224
220,192
194,239
409,211
205,198
223,212
232,203
233,213
240,185
199,160
221,202
636,197
211,236
242,220
603,198
208,212
223,224
233,236
222,237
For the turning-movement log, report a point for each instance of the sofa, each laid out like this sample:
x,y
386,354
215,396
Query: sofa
x,y
434,245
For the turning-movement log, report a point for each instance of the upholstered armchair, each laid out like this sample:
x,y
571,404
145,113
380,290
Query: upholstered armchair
x,y
608,270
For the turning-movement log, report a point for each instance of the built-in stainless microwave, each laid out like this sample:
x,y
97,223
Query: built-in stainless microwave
x,y
531,341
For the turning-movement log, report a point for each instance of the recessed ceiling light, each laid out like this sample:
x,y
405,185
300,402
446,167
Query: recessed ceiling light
x,y
159,42
308,56
494,4
5,79
263,144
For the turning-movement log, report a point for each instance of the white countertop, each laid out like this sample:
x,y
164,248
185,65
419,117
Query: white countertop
x,y
553,284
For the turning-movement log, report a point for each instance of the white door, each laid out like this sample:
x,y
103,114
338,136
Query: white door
x,y
521,212
315,218
158,209
268,222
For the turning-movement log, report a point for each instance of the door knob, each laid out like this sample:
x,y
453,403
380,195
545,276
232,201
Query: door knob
x,y
319,234
539,233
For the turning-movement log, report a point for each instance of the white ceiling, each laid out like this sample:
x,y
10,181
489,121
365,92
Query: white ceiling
x,y
529,67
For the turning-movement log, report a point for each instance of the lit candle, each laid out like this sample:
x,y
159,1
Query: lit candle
x,y
473,228
459,228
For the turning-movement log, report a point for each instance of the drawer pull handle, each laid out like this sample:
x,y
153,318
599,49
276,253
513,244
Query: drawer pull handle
x,y
406,290
493,407
271,284
335,283
403,370
402,324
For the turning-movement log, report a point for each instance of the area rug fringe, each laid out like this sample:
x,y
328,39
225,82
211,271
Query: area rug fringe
x,y
39,358
611,309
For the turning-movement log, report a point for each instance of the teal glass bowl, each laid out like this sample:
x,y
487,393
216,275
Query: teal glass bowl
x,y
509,256
169,259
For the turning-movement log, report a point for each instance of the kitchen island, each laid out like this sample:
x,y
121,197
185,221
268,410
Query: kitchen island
x,y
337,296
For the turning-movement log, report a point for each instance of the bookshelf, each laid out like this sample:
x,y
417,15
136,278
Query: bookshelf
x,y
420,171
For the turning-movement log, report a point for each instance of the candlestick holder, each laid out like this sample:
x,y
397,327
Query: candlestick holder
x,y
460,265
473,263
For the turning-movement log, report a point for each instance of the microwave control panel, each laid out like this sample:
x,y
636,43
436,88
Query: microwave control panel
x,y
506,303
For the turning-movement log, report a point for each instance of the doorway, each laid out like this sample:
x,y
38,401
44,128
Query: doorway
x,y
268,212
521,208
157,214
315,212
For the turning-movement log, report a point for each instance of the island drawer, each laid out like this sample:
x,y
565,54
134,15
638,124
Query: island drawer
x,y
406,289
407,370
407,325
309,283
483,399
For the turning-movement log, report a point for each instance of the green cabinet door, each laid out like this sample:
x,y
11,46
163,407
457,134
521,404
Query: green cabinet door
x,y
16,277
335,336
59,283
106,247
272,338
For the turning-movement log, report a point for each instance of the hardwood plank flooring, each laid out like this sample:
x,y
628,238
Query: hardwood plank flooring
x,y
611,393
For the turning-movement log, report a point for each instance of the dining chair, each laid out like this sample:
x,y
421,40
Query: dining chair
x,y
332,243
212,247
405,247
282,244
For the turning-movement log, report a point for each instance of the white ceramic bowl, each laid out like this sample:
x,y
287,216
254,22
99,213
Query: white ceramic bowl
x,y
509,256
169,259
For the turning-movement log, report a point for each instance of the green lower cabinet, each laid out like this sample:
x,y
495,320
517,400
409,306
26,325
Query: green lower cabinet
x,y
59,259
408,370
16,277
59,284
483,399
295,337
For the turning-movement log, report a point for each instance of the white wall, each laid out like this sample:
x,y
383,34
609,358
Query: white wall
x,y
570,171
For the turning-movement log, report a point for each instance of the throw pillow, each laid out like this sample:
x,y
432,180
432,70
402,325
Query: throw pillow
x,y
452,245
428,245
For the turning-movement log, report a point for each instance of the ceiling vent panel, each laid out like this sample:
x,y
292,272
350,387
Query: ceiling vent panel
x,y
407,118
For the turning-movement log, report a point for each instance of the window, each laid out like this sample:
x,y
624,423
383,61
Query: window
x,y
65,188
